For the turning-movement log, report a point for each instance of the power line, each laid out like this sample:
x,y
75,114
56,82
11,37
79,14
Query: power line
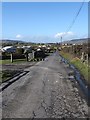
x,y
71,25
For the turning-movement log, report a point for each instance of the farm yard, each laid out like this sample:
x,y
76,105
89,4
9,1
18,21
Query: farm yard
x,y
13,63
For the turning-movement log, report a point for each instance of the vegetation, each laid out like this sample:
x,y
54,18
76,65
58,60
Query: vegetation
x,y
15,61
7,74
19,50
82,67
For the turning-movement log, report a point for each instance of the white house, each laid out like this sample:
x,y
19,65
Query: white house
x,y
8,49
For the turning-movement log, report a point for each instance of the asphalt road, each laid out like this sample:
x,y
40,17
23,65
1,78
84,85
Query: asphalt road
x,y
46,91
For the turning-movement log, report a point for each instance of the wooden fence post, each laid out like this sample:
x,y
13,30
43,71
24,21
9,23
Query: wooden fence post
x,y
11,57
33,53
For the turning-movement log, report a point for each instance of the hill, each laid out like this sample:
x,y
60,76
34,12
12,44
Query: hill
x,y
10,41
77,41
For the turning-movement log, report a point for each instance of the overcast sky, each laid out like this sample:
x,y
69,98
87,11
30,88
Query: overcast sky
x,y
43,21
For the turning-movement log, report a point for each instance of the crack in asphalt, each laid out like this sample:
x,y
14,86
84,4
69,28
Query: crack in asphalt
x,y
34,115
43,104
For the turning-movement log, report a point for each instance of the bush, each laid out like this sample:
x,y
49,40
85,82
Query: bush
x,y
39,54
19,50
15,56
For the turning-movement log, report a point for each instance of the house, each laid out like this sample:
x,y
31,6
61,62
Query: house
x,y
9,49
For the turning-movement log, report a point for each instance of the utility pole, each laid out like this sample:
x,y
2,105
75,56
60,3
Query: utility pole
x,y
61,42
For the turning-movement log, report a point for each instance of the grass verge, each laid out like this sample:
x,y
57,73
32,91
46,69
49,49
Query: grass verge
x,y
82,67
7,74
15,61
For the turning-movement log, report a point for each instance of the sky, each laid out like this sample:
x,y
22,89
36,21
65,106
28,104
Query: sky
x,y
43,21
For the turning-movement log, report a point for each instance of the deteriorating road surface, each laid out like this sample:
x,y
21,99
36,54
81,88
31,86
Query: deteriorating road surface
x,y
46,91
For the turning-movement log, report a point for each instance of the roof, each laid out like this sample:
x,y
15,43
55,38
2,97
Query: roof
x,y
9,49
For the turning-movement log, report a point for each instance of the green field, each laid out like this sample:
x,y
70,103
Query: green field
x,y
82,67
6,74
15,61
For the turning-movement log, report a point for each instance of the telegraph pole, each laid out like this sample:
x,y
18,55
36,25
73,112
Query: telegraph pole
x,y
61,42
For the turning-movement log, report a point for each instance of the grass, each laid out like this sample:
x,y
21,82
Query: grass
x,y
15,61
6,74
82,67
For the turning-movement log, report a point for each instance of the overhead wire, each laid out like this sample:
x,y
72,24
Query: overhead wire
x,y
74,20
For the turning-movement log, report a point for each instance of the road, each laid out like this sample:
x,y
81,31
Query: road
x,y
46,91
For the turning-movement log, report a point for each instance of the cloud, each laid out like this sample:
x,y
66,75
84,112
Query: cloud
x,y
58,35
65,35
51,38
19,36
39,39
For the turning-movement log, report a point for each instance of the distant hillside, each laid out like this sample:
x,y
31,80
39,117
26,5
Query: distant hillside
x,y
7,42
10,41
77,41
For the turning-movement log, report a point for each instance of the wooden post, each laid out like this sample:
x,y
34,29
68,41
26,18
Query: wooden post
x,y
87,58
82,57
27,56
11,57
33,54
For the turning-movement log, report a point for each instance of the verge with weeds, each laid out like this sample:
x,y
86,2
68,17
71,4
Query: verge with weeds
x,y
84,68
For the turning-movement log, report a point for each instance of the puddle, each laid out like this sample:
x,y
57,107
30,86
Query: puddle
x,y
84,87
